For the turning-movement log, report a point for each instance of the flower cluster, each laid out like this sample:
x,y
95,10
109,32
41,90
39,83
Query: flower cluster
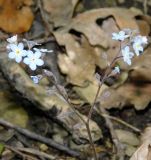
x,y
136,42
31,57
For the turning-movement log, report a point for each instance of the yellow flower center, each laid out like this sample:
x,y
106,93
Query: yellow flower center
x,y
33,59
137,45
18,51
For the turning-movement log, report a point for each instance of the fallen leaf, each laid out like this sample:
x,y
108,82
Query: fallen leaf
x,y
11,111
144,151
86,23
60,11
88,93
53,103
79,64
2,147
141,68
15,16
127,137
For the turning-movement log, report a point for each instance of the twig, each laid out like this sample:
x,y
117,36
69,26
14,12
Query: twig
x,y
39,41
36,152
40,138
118,145
44,18
77,113
145,6
14,149
122,122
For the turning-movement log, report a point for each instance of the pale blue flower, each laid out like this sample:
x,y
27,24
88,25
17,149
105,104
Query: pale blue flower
x,y
138,48
138,43
35,79
127,55
140,39
33,60
116,70
121,36
42,50
12,39
17,52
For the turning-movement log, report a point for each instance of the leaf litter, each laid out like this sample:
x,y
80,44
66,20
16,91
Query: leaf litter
x,y
87,47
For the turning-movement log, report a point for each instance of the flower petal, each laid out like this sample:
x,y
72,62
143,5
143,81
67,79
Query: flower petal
x,y
18,59
12,39
37,54
11,55
39,62
35,79
30,53
20,46
24,53
26,60
13,47
32,66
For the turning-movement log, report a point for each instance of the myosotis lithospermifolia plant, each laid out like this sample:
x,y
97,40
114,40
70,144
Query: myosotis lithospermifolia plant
x,y
131,44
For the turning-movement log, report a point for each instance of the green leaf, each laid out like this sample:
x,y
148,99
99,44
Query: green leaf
x,y
2,147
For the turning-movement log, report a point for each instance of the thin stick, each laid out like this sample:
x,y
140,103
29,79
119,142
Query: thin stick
x,y
36,152
40,138
77,113
66,99
14,149
108,122
145,6
119,146
122,122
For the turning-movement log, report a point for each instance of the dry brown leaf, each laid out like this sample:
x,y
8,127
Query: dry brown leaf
x,y
139,96
127,137
141,68
86,23
115,100
61,11
15,17
144,151
144,22
88,93
95,28
37,94
79,63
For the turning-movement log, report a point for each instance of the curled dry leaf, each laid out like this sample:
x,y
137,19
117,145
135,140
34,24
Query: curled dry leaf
x,y
52,103
88,92
141,68
86,23
15,16
79,64
96,27
127,137
144,151
60,11
84,40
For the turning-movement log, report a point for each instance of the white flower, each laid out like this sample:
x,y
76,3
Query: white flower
x,y
137,48
116,70
17,52
121,36
139,41
31,44
35,79
127,55
12,39
33,60
42,50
